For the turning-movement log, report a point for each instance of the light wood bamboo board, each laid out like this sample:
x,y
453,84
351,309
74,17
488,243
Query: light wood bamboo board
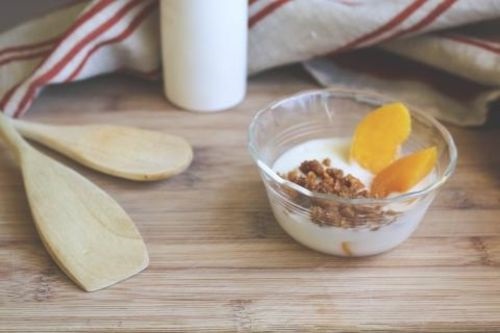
x,y
219,261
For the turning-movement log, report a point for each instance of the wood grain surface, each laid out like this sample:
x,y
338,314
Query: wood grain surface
x,y
218,260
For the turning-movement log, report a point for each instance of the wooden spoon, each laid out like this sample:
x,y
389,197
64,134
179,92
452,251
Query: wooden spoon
x,y
125,152
85,231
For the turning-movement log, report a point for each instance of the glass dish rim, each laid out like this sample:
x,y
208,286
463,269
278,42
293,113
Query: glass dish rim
x,y
357,95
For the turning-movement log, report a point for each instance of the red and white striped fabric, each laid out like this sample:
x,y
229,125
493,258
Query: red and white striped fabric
x,y
76,43
454,73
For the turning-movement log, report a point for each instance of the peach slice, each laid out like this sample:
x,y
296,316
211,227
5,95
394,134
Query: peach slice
x,y
379,135
404,173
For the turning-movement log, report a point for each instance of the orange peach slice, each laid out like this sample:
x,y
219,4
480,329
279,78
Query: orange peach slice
x,y
405,173
379,135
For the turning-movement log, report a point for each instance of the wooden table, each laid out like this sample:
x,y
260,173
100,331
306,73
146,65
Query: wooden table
x,y
219,261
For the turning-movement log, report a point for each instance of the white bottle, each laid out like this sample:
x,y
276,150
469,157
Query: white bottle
x,y
204,46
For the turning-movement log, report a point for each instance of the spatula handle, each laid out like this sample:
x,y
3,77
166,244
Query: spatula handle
x,y
11,137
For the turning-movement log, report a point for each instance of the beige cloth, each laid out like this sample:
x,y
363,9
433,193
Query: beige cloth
x,y
452,73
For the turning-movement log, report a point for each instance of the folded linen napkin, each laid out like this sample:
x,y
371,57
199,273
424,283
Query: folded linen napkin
x,y
421,51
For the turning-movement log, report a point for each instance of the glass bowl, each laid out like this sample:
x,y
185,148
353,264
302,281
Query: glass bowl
x,y
361,226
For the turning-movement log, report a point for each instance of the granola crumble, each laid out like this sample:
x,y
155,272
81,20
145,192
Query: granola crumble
x,y
321,177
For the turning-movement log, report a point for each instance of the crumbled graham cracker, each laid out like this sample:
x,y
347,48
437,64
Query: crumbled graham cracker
x,y
320,177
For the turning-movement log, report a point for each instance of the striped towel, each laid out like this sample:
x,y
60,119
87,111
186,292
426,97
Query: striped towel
x,y
442,55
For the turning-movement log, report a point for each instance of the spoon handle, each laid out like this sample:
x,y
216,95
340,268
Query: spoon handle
x,y
11,137
33,131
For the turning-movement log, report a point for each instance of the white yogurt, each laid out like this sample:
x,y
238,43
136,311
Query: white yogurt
x,y
359,241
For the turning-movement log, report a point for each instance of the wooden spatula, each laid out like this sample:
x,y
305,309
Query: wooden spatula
x,y
125,152
85,231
